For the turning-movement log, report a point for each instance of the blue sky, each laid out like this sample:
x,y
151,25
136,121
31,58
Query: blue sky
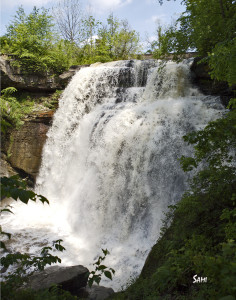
x,y
141,14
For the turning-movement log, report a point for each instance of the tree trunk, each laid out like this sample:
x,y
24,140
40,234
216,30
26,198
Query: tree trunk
x,y
222,9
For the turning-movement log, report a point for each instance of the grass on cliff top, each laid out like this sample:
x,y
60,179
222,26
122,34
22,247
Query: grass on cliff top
x,y
201,238
16,105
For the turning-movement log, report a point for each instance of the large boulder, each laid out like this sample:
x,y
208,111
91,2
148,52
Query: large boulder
x,y
70,279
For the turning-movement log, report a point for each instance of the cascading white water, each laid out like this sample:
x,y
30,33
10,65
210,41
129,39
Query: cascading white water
x,y
110,164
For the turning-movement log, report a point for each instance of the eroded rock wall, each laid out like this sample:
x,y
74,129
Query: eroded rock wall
x,y
202,79
13,77
23,146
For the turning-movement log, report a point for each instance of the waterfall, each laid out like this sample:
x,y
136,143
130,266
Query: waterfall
x,y
110,165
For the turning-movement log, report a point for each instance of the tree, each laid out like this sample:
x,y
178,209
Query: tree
x,y
118,39
159,47
108,35
128,42
33,43
32,32
222,61
69,18
91,26
207,26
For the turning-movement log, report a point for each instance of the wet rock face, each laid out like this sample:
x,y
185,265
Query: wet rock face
x,y
6,169
202,78
24,146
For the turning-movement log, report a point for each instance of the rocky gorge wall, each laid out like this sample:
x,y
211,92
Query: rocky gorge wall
x,y
13,76
202,79
23,147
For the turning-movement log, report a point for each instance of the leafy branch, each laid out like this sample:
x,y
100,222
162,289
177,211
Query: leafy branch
x,y
15,188
96,275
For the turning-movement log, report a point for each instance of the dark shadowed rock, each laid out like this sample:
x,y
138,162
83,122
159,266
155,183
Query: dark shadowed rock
x,y
69,278
208,86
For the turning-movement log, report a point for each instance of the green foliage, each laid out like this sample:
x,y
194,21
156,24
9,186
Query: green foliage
x,y
26,264
53,293
201,237
88,51
50,102
34,45
208,27
96,275
163,44
202,27
15,188
12,110
16,105
117,40
8,91
222,61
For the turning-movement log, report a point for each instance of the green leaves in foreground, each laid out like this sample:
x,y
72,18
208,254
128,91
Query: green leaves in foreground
x,y
24,265
27,261
96,275
15,188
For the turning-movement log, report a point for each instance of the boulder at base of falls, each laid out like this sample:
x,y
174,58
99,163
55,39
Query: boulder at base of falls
x,y
96,292
71,279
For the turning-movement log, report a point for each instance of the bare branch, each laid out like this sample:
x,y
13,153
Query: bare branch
x,y
68,15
